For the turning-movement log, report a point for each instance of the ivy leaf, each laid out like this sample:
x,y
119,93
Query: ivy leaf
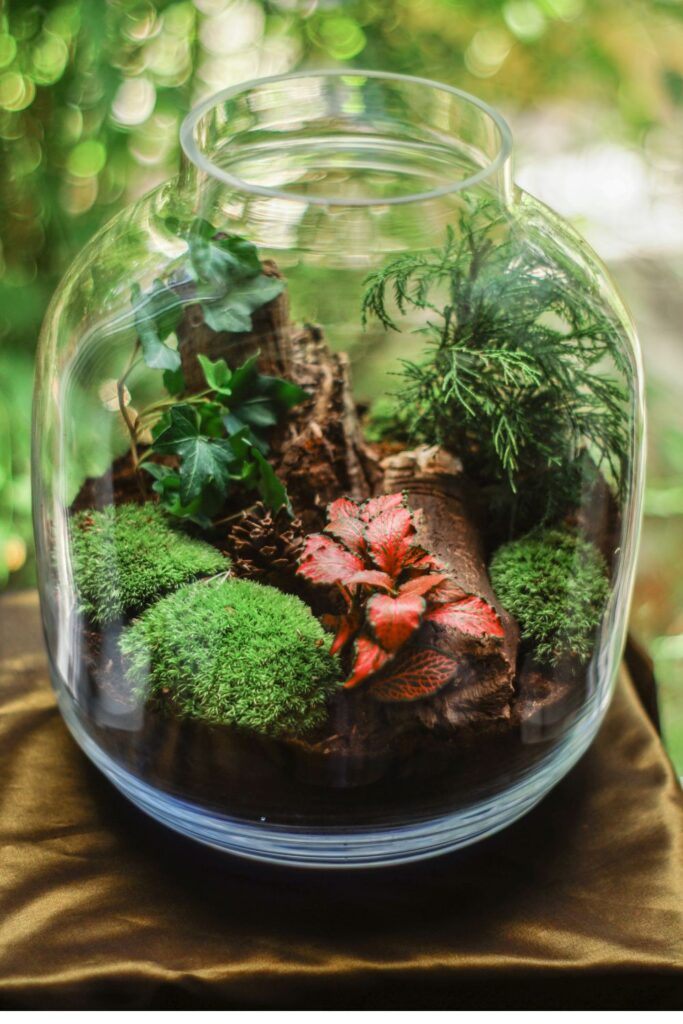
x,y
174,381
232,310
167,486
220,259
157,315
230,267
256,400
203,460
283,393
269,485
217,375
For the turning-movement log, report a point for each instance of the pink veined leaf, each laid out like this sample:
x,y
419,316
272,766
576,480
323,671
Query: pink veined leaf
x,y
389,538
344,627
393,620
417,558
384,503
414,676
313,542
372,578
342,507
369,659
448,591
350,530
328,562
422,584
471,615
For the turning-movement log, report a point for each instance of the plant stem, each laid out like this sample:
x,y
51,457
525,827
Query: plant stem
x,y
165,403
130,425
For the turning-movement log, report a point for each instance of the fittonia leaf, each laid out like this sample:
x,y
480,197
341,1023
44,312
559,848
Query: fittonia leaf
x,y
391,586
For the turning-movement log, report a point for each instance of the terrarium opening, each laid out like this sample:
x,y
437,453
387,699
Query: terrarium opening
x,y
338,139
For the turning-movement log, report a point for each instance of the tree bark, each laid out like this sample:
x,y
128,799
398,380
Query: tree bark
x,y
482,688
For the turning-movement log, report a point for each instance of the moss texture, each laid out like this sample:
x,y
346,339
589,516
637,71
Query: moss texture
x,y
233,652
127,556
556,586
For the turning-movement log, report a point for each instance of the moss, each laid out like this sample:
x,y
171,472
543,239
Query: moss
x,y
233,652
127,556
556,586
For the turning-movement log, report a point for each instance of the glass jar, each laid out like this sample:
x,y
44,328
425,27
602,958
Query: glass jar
x,y
337,479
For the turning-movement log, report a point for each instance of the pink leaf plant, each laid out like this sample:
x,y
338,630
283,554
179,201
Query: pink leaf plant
x,y
390,586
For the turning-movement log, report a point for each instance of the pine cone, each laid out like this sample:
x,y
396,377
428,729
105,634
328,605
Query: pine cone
x,y
265,545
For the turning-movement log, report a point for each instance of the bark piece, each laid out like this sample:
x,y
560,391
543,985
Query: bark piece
x,y
546,697
482,689
320,454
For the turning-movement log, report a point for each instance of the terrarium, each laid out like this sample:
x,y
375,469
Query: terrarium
x,y
338,446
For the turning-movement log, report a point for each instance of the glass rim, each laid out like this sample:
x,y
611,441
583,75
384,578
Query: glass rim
x,y
199,159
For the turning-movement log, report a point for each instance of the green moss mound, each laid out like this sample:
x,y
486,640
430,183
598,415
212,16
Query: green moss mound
x,y
556,586
127,556
232,652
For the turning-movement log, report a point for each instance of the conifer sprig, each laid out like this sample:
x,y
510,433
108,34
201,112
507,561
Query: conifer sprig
x,y
523,370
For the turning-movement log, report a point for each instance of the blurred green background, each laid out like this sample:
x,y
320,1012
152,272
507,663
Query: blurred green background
x,y
91,97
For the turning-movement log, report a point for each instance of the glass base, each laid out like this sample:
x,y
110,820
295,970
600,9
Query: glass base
x,y
338,848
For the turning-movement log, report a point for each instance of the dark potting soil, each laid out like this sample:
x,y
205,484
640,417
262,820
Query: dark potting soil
x,y
360,774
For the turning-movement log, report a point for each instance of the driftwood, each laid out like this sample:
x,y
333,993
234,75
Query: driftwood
x,y
482,688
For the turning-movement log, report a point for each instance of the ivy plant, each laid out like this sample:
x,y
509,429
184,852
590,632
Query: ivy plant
x,y
229,278
219,437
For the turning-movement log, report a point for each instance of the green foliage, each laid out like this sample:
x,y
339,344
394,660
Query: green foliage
x,y
516,377
126,556
228,267
221,435
156,317
388,420
220,440
233,652
249,398
16,549
230,285
556,586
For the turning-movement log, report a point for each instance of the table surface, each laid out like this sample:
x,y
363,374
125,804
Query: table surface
x,y
578,905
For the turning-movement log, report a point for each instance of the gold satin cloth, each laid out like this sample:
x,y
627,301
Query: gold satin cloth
x,y
578,905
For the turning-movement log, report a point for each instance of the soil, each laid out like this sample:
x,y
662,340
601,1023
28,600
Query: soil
x,y
377,770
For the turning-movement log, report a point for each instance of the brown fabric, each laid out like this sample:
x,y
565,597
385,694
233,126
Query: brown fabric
x,y
578,905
